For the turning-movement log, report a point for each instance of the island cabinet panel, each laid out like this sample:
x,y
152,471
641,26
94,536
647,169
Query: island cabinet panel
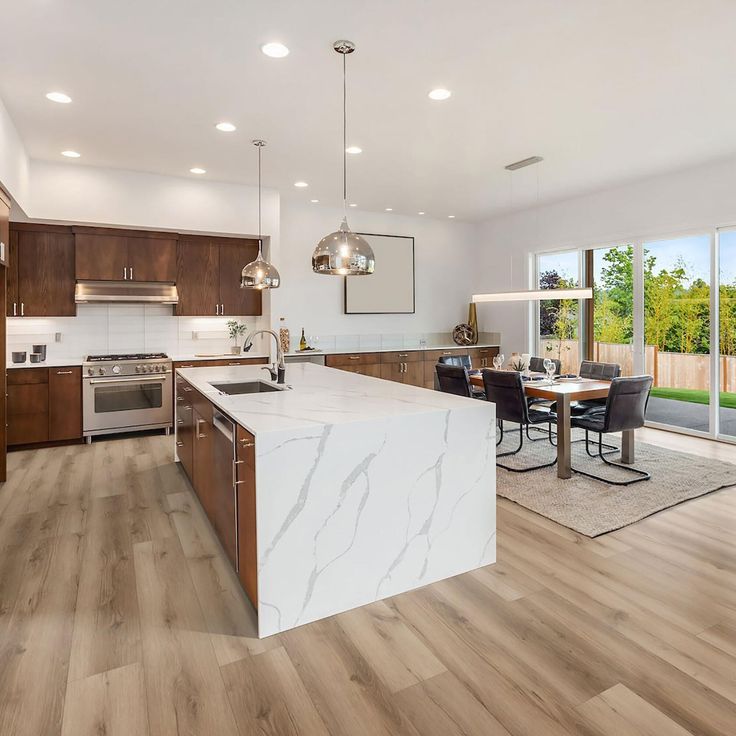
x,y
246,491
184,426
28,406
203,480
65,403
403,366
224,518
40,271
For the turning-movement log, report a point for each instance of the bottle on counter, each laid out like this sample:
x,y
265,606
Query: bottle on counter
x,y
303,341
284,338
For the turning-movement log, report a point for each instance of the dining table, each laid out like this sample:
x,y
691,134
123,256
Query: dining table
x,y
564,392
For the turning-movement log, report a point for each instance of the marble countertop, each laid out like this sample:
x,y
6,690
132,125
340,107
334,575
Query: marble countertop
x,y
318,396
398,348
49,363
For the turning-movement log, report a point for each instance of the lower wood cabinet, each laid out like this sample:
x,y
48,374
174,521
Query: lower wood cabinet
x,y
44,405
222,471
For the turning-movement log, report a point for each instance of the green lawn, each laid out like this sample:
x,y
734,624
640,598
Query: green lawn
x,y
728,400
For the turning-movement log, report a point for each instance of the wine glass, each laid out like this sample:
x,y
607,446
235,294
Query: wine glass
x,y
498,361
549,367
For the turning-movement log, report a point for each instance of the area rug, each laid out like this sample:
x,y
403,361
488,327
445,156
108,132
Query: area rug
x,y
594,508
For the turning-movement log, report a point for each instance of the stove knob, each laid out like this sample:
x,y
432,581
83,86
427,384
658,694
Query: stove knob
x,y
101,371
139,369
149,368
90,371
116,369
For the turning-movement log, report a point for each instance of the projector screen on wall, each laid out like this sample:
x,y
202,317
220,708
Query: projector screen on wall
x,y
390,288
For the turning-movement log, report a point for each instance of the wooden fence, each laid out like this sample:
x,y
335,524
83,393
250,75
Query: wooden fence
x,y
672,370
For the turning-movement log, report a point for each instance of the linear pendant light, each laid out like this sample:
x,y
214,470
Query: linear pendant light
x,y
534,295
259,274
343,252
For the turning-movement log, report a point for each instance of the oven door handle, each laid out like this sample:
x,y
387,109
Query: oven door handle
x,y
111,381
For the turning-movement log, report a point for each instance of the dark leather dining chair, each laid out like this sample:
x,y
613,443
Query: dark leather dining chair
x,y
465,362
625,409
453,379
506,390
596,371
536,365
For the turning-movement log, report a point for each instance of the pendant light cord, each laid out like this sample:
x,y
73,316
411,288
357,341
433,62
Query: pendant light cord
x,y
260,238
344,137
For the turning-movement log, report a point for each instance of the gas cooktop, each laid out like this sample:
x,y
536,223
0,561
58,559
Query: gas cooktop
x,y
118,358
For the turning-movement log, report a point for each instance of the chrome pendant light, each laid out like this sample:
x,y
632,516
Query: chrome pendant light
x,y
259,274
343,253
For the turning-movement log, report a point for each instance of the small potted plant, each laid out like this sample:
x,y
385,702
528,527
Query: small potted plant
x,y
517,363
235,330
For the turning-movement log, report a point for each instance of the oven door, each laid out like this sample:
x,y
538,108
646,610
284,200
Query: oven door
x,y
127,403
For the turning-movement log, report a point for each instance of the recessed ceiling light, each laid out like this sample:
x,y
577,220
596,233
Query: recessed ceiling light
x,y
71,154
353,149
452,217
440,94
420,213
59,97
197,170
389,209
301,184
314,201
275,50
353,204
225,127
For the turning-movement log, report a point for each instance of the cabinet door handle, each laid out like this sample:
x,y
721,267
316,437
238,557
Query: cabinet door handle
x,y
64,373
180,444
222,309
180,421
125,273
15,309
247,443
22,309
217,309
131,273
199,434
187,388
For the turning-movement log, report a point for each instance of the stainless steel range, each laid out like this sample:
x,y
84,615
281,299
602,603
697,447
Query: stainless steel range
x,y
126,393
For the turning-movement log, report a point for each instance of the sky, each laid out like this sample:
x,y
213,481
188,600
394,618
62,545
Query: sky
x,y
695,251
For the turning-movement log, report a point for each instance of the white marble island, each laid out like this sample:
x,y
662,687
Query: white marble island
x,y
365,488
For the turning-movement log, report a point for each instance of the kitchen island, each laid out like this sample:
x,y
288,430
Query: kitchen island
x,y
345,488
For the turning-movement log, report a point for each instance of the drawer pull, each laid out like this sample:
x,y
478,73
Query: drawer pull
x,y
354,357
403,355
180,398
180,444
64,373
180,421
247,443
187,388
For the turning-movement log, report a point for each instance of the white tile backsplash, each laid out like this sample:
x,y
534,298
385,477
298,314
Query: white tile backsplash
x,y
121,328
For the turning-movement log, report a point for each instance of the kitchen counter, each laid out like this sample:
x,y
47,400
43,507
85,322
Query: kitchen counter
x,y
365,488
48,363
392,349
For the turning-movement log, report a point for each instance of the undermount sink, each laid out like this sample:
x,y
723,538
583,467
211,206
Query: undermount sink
x,y
246,387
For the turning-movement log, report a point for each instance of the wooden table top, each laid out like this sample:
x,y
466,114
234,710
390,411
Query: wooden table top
x,y
585,388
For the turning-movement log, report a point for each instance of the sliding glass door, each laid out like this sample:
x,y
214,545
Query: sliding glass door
x,y
727,324
559,320
677,278
613,306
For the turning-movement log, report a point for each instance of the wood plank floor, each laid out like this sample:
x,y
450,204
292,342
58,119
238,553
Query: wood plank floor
x,y
119,615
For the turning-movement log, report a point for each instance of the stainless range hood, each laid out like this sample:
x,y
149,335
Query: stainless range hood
x,y
125,292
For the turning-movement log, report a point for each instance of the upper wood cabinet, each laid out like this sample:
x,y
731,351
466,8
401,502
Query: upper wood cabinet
x,y
105,254
40,280
208,276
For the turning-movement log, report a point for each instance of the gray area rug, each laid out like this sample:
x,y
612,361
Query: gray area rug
x,y
594,508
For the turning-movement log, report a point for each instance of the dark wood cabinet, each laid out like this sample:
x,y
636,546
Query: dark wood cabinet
x,y
197,277
28,406
65,403
4,254
203,458
100,257
224,517
184,425
208,277
44,405
41,271
11,277
106,254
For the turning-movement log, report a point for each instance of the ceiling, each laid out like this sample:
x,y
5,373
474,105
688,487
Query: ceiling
x,y
605,91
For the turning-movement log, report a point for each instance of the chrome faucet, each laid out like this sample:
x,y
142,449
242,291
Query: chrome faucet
x,y
278,372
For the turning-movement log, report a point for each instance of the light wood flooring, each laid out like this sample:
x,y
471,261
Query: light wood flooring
x,y
120,616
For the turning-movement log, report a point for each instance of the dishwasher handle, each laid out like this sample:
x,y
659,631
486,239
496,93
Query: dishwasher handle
x,y
224,424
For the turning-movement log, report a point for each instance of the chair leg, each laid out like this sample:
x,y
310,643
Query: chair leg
x,y
612,449
500,434
517,450
549,435
641,474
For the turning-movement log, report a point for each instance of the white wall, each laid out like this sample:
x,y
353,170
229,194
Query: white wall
x,y
13,160
701,198
443,250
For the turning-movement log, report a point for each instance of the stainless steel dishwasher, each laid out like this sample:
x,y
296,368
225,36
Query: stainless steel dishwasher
x,y
225,506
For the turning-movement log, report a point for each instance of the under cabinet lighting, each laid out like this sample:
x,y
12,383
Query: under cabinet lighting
x,y
534,295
